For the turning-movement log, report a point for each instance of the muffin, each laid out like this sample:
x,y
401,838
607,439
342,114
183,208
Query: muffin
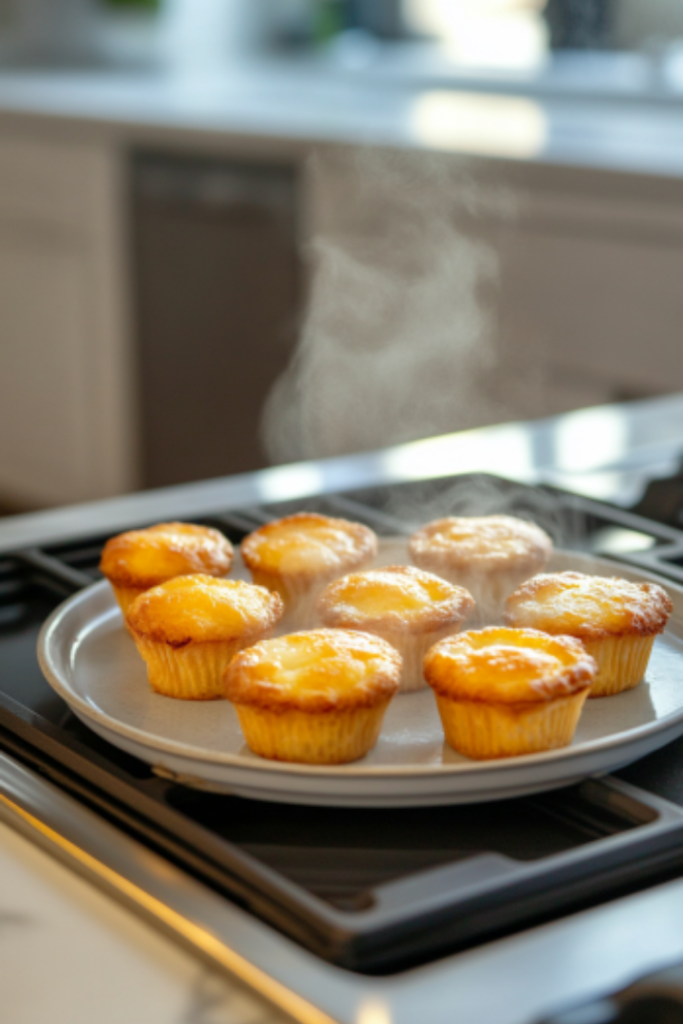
x,y
315,697
299,555
409,608
507,692
617,621
488,555
140,559
187,630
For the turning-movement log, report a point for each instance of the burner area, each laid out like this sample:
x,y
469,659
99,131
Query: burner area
x,y
663,500
373,890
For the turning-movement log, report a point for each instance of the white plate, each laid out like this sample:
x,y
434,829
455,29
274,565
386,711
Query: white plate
x,y
89,659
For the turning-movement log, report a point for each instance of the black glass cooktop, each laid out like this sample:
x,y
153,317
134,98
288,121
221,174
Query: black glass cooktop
x,y
373,890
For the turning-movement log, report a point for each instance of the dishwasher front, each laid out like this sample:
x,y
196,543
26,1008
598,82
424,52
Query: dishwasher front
x,y
217,280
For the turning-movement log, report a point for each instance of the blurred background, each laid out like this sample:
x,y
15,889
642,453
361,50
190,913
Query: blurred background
x,y
243,232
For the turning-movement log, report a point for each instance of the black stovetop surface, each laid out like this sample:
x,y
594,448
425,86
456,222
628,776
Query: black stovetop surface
x,y
358,886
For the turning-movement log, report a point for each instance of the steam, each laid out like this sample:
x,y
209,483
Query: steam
x,y
400,330
400,339
485,496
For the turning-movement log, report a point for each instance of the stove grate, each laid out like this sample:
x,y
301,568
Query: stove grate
x,y
374,891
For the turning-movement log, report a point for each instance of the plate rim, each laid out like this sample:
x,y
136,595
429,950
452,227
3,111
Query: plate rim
x,y
357,771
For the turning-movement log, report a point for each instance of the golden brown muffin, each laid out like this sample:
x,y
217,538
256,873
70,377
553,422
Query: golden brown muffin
x,y
506,692
409,608
488,555
298,555
616,620
316,697
188,629
135,561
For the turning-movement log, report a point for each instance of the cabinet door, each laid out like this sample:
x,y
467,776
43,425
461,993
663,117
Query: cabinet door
x,y
44,446
65,377
608,307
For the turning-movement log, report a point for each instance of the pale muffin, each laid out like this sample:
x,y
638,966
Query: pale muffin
x,y
409,608
299,555
488,555
188,630
140,559
507,692
617,621
316,697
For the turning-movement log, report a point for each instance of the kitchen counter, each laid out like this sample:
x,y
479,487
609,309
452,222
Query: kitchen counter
x,y
70,955
96,961
288,105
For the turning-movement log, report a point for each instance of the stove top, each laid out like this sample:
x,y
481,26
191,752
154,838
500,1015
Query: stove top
x,y
377,892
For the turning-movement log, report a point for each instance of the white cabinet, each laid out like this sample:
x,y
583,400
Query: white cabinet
x,y
592,283
66,398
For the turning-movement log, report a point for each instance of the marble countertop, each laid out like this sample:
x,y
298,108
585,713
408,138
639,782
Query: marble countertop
x,y
290,104
71,955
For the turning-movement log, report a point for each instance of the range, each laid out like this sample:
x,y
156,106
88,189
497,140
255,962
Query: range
x,y
355,914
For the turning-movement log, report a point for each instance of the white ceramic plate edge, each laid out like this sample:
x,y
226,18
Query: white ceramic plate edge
x,y
393,784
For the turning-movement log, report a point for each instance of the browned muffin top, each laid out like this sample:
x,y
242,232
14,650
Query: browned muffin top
x,y
146,558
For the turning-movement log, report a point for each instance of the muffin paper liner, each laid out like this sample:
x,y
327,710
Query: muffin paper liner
x,y
194,672
125,596
412,647
489,590
483,731
299,598
622,662
333,737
